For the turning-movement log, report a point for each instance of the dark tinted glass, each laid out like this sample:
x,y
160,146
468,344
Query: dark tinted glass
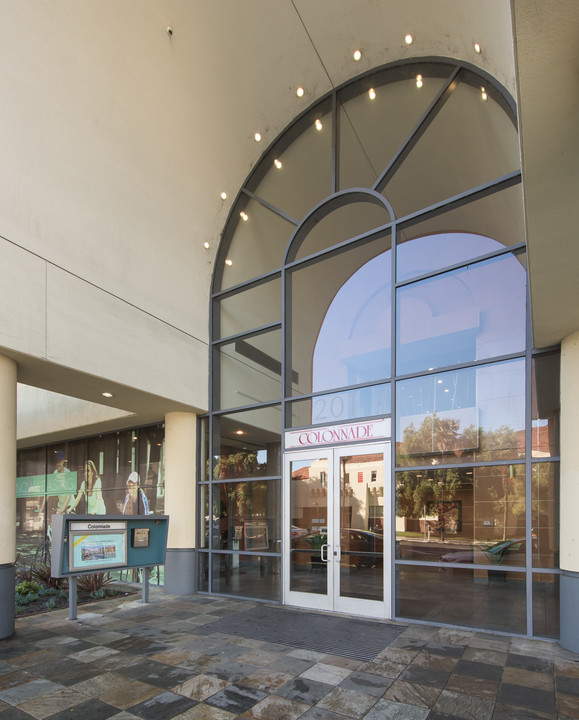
x,y
336,407
546,405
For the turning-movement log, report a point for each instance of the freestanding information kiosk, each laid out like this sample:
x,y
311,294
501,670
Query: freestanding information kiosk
x,y
87,544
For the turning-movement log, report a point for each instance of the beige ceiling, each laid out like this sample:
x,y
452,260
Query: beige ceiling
x,y
547,56
241,64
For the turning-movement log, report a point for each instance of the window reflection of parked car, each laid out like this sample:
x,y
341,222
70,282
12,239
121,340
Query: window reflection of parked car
x,y
359,548
505,552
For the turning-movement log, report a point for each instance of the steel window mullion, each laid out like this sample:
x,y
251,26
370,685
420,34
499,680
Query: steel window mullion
x,y
528,464
269,206
418,131
254,332
247,285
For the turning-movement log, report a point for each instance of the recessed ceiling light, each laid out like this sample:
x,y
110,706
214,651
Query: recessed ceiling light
x,y
357,55
484,95
224,196
318,124
206,245
244,216
477,48
439,381
372,94
408,39
107,394
257,137
300,92
239,432
277,163
229,262
419,81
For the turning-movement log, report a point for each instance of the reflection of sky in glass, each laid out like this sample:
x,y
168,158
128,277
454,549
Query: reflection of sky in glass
x,y
433,252
353,345
461,316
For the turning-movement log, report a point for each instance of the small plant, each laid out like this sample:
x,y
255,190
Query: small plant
x,y
51,603
93,583
42,572
98,594
27,586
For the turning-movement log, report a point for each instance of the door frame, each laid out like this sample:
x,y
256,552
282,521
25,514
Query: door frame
x,y
332,601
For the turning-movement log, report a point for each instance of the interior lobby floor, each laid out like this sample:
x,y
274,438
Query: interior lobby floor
x,y
124,659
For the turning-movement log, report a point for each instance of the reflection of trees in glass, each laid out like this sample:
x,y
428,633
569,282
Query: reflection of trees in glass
x,y
439,436
239,464
414,491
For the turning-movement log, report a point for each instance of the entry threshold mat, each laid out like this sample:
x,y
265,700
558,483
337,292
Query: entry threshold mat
x,y
343,636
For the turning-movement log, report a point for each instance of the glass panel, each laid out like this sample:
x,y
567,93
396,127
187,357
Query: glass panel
x,y
246,516
461,316
546,405
204,449
546,605
249,309
361,530
203,560
470,142
257,243
374,125
462,234
151,461
546,515
247,444
305,175
462,515
250,370
309,524
492,599
342,223
470,415
341,319
347,405
204,518
31,506
247,575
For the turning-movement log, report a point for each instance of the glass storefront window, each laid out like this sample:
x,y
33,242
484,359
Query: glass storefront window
x,y
490,599
461,316
246,516
247,444
546,605
304,152
375,121
254,576
471,415
205,519
462,515
247,257
446,160
340,319
249,369
471,230
338,407
545,500
546,405
255,307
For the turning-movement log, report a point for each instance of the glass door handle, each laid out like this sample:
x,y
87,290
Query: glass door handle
x,y
338,553
324,559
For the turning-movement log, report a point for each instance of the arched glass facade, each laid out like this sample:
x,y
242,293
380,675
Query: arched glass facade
x,y
374,268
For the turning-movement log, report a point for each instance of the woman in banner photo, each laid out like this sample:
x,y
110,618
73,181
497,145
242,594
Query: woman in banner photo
x,y
136,502
92,490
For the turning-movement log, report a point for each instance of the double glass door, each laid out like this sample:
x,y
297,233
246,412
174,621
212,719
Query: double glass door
x,y
337,521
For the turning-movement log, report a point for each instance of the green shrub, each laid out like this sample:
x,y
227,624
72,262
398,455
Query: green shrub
x,y
93,583
27,586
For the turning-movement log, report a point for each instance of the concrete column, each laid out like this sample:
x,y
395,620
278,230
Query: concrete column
x,y
7,493
180,501
569,493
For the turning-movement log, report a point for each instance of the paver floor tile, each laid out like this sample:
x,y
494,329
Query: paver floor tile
x,y
388,709
236,699
200,687
412,694
329,674
266,679
350,703
49,704
464,706
131,693
162,707
276,708
303,690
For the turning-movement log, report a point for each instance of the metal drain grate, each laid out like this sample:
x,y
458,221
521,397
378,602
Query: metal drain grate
x,y
346,637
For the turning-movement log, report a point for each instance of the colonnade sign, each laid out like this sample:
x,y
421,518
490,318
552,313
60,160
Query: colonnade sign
x,y
365,431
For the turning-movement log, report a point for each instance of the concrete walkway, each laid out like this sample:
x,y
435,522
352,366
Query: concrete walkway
x,y
122,659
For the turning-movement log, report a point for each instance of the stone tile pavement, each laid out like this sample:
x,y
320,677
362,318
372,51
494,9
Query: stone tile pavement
x,y
122,659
